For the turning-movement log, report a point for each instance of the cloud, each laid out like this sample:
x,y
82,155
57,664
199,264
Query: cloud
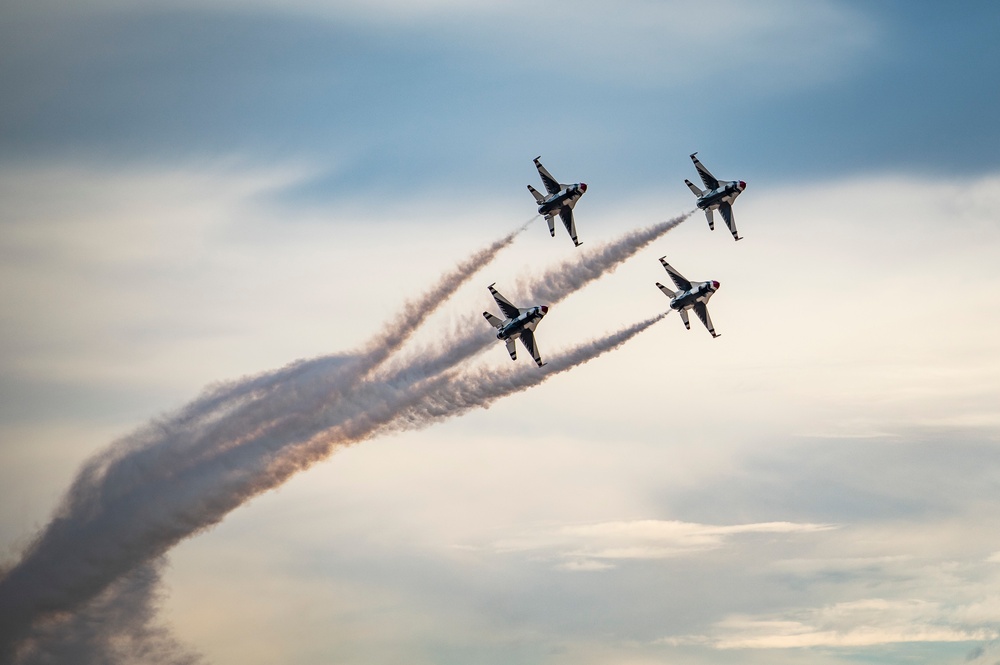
x,y
861,623
593,546
640,43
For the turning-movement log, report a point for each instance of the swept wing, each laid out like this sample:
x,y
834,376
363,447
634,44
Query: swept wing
x,y
680,280
528,339
552,185
508,308
702,312
711,182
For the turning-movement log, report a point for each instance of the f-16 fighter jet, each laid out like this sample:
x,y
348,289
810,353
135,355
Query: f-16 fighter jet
x,y
560,201
691,296
720,195
517,323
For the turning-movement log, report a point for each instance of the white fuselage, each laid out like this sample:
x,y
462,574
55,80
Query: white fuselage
x,y
726,192
699,292
528,319
563,198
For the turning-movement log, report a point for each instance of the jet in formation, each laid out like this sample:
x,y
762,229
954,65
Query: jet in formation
x,y
560,201
518,323
719,195
692,295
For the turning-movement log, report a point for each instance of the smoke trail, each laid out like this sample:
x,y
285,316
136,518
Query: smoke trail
x,y
415,406
126,612
394,334
205,426
571,276
127,507
482,388
551,287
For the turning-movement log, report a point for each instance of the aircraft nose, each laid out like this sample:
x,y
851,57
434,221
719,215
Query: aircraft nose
x,y
743,185
545,309
715,285
583,186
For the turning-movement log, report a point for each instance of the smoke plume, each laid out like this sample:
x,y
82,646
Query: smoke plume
x,y
181,474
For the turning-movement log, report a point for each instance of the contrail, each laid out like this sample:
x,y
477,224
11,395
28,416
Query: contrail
x,y
482,388
118,626
204,427
181,475
418,405
549,288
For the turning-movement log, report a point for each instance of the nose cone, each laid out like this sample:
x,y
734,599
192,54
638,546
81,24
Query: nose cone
x,y
743,185
715,285
545,309
583,187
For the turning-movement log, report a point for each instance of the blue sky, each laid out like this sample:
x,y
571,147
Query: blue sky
x,y
196,192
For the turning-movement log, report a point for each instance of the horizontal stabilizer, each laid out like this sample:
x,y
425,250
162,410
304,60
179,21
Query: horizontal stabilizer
x,y
495,321
537,194
693,187
667,292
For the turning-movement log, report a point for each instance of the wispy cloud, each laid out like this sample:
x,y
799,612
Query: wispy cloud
x,y
860,623
598,546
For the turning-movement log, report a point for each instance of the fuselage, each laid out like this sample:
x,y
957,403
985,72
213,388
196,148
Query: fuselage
x,y
699,292
527,320
725,193
564,197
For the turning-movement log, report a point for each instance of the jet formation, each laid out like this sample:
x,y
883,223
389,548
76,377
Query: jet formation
x,y
692,295
517,324
719,195
561,200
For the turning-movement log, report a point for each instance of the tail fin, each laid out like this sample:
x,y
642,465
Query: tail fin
x,y
537,194
693,187
494,321
667,292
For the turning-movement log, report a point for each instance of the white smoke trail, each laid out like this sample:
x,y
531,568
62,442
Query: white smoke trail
x,y
126,612
549,288
206,426
414,406
128,507
482,388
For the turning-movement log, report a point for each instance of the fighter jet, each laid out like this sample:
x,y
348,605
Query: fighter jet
x,y
720,194
560,201
692,296
518,323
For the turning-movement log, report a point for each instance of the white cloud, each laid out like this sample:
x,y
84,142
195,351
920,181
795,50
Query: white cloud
x,y
866,622
581,547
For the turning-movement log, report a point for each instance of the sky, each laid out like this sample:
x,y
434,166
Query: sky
x,y
196,195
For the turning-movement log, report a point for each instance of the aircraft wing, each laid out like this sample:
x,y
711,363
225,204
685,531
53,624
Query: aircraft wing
x,y
551,184
706,176
680,280
726,209
566,214
702,312
508,309
528,339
